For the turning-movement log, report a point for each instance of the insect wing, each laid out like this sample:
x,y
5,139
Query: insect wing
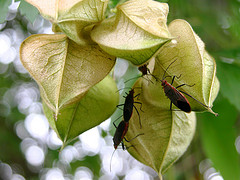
x,y
177,98
120,133
127,111
128,106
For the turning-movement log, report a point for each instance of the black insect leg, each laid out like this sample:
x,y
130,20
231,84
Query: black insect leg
x,y
123,147
138,116
171,106
174,78
180,86
116,120
140,106
166,77
131,140
119,106
184,85
134,137
137,96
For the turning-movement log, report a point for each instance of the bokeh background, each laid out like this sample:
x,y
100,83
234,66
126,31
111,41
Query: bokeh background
x,y
29,148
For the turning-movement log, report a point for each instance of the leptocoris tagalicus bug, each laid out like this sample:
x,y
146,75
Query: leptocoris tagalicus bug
x,y
122,128
176,96
119,135
129,105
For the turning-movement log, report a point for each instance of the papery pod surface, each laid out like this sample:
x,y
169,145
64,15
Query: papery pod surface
x,y
63,69
191,64
96,106
136,32
73,16
165,134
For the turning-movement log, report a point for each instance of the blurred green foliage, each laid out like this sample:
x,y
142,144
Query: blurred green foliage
x,y
4,9
217,22
218,138
29,11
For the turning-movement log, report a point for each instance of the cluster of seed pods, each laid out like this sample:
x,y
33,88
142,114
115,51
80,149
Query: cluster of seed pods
x,y
175,96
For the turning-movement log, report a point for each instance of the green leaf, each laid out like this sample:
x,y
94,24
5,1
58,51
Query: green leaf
x,y
63,70
4,9
136,32
11,143
96,106
28,10
229,75
73,16
190,63
167,134
218,137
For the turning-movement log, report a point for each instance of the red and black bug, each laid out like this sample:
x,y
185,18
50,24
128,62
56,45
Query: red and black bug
x,y
176,97
119,135
122,128
129,105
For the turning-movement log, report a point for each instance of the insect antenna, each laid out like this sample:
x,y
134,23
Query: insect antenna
x,y
123,88
167,69
111,160
128,88
216,114
132,79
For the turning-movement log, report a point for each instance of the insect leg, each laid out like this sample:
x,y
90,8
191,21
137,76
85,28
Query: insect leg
x,y
129,147
167,76
114,125
134,137
184,85
138,117
140,106
132,79
116,120
194,98
163,77
178,76
173,79
180,86
126,147
119,106
136,95
171,106
123,147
